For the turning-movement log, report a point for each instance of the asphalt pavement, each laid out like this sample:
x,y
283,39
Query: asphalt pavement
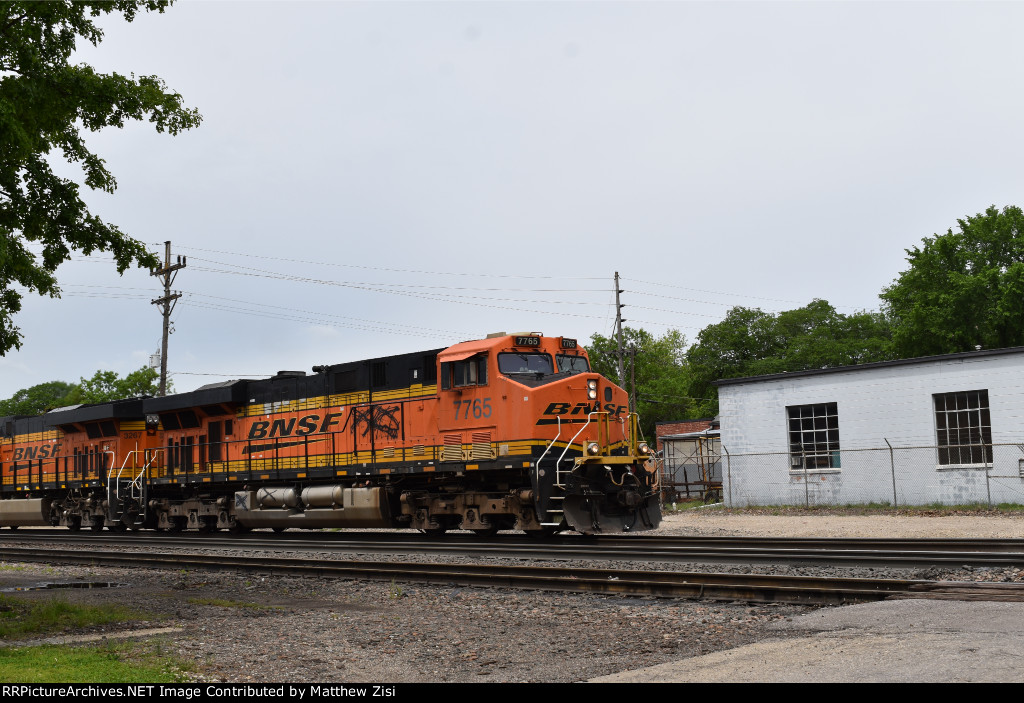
x,y
898,641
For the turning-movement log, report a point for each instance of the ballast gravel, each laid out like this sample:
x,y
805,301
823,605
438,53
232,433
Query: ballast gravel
x,y
243,628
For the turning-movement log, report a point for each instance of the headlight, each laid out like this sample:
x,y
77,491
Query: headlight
x,y
592,389
593,449
644,449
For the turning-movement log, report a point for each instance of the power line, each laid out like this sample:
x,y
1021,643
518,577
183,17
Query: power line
x,y
714,292
391,270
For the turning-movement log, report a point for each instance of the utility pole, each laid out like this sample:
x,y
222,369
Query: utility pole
x,y
167,303
618,329
632,378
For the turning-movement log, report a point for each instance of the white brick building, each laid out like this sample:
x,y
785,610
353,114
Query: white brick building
x,y
954,423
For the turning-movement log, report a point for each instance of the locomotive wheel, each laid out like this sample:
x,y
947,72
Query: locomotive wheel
x,y
487,531
74,523
238,529
96,526
435,531
178,523
14,527
118,527
279,529
207,523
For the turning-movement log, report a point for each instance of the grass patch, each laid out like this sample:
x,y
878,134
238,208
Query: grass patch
x,y
123,662
20,618
225,603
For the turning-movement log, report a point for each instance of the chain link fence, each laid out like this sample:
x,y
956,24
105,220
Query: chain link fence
x,y
897,476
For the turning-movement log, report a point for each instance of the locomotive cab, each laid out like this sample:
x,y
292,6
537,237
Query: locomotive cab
x,y
535,400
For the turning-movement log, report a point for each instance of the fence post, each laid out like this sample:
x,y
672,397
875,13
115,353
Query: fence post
x,y
988,473
728,471
892,467
807,490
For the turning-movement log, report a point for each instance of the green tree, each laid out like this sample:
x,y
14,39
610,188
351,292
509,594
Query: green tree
x,y
45,104
963,289
37,399
750,342
105,386
661,372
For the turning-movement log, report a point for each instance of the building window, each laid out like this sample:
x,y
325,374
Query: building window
x,y
814,436
963,428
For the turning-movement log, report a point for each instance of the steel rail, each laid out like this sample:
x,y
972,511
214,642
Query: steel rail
x,y
846,551
649,541
665,584
746,587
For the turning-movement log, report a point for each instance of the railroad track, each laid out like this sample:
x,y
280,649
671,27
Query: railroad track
x,y
895,553
665,584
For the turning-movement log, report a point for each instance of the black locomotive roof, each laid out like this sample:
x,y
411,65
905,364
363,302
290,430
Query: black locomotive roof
x,y
375,375
13,425
380,374
229,392
114,410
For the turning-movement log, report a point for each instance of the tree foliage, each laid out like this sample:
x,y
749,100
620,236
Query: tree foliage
x,y
962,289
37,399
45,103
661,373
750,342
103,387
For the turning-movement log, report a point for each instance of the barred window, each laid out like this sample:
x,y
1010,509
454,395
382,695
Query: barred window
x,y
814,436
963,428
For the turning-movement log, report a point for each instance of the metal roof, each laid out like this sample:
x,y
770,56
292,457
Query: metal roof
x,y
872,365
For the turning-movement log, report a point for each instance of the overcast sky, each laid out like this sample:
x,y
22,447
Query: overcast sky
x,y
376,178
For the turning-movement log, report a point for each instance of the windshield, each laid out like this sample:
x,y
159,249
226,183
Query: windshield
x,y
575,364
514,362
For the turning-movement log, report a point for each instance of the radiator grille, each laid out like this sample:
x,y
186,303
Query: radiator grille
x,y
481,448
452,448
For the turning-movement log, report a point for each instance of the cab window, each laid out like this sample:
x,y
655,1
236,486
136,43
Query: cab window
x,y
532,363
468,372
574,364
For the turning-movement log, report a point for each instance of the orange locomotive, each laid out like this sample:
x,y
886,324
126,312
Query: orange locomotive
x,y
508,432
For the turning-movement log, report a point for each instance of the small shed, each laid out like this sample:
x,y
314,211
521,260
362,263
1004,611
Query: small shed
x,y
692,464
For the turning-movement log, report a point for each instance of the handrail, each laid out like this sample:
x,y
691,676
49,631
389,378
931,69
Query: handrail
x,y
585,425
536,466
136,479
113,462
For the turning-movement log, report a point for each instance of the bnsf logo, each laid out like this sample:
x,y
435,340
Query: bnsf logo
x,y
28,453
298,427
583,408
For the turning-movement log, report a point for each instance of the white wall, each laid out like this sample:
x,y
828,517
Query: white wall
x,y
891,402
